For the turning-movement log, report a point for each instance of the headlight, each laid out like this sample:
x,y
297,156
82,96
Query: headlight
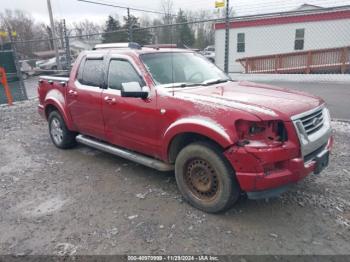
x,y
327,116
261,134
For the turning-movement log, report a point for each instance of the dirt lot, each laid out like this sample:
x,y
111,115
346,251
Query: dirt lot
x,y
82,201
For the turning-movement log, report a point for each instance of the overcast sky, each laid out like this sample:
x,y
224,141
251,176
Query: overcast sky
x,y
73,10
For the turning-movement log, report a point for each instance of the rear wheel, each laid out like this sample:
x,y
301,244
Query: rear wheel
x,y
59,133
205,179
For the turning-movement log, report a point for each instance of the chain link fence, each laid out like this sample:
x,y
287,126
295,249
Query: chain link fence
x,y
10,65
309,42
37,56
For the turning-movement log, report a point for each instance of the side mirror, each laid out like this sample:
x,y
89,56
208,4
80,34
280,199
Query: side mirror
x,y
133,89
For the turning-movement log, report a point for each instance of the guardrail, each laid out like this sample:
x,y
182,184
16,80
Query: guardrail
x,y
331,60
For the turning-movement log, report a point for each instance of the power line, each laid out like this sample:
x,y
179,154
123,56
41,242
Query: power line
x,y
222,19
124,30
130,8
134,9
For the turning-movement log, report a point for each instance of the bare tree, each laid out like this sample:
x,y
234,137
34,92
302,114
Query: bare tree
x,y
17,22
23,27
145,21
86,27
167,7
166,34
204,31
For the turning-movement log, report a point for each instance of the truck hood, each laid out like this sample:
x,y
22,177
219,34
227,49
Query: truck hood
x,y
264,101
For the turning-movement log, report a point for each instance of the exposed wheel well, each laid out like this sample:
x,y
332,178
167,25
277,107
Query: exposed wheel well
x,y
49,109
182,140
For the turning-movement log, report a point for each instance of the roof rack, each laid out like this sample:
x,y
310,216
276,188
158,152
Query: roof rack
x,y
131,45
158,46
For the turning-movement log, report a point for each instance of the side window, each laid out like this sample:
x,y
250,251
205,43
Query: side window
x,y
299,39
92,72
240,43
121,71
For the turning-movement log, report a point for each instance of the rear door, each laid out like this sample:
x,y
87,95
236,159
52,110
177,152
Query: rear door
x,y
129,122
84,97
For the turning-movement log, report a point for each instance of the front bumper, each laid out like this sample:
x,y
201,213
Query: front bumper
x,y
268,171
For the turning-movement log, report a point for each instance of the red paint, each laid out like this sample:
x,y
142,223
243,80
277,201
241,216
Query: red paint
x,y
290,167
279,20
211,111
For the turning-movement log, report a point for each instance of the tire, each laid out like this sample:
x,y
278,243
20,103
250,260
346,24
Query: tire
x,y
59,133
205,178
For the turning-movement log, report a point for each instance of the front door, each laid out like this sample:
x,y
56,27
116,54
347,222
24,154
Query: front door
x,y
84,98
129,122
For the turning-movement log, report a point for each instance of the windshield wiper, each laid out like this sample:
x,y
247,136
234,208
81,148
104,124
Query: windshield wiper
x,y
214,81
174,85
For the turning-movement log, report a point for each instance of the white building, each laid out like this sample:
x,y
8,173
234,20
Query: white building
x,y
306,28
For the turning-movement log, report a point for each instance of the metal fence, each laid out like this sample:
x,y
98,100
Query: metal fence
x,y
11,77
311,41
41,57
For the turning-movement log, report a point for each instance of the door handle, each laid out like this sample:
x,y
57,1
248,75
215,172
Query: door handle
x,y
72,93
110,100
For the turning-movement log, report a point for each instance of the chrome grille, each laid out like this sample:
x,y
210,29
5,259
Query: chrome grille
x,y
313,129
313,122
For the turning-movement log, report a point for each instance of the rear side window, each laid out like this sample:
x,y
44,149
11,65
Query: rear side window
x,y
121,71
91,72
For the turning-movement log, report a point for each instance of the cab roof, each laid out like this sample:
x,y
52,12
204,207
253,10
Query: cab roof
x,y
135,48
143,50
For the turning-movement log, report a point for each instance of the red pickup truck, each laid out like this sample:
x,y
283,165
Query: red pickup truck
x,y
172,109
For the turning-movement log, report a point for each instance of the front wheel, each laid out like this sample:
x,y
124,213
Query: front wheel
x,y
59,133
205,179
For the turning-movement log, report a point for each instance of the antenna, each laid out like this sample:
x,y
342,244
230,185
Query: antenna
x,y
171,54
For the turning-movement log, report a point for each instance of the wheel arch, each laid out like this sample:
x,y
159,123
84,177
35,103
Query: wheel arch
x,y
186,131
52,104
181,140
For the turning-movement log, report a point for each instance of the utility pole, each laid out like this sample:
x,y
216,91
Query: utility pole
x,y
227,36
61,34
52,24
66,40
130,26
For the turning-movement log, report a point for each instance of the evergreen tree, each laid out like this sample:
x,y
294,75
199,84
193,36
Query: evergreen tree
x,y
200,41
113,24
184,33
142,37
167,32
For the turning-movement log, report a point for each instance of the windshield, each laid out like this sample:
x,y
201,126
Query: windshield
x,y
182,68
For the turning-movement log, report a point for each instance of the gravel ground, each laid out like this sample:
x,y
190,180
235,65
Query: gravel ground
x,y
83,201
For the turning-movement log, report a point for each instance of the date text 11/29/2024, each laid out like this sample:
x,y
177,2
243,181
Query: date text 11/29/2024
x,y
173,258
